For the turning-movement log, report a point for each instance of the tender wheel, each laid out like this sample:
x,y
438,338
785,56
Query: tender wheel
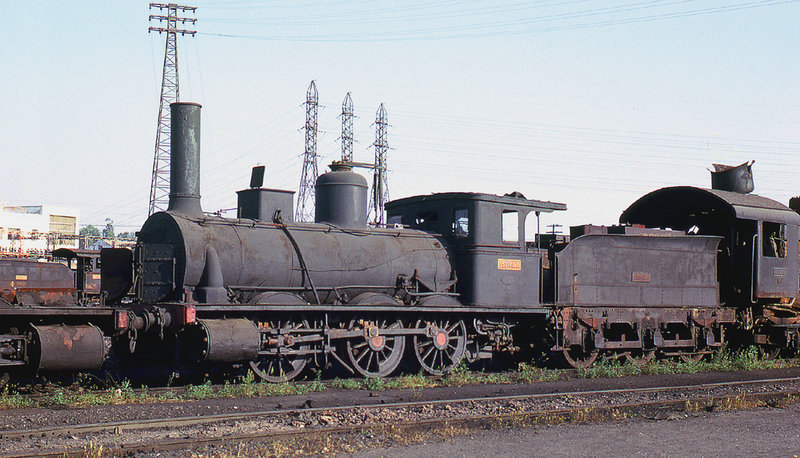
x,y
375,355
640,357
578,358
692,357
769,352
442,347
281,367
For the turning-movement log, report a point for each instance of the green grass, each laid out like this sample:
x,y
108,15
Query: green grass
x,y
460,376
249,386
746,359
14,400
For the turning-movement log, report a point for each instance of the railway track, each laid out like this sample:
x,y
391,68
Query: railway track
x,y
289,424
41,392
44,391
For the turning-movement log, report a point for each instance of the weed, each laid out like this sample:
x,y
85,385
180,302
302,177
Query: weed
x,y
9,400
724,360
168,396
530,374
60,397
204,391
280,389
346,384
374,384
414,381
93,450
249,386
317,384
460,375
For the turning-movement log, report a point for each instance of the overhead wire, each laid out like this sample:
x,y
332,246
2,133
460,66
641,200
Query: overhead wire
x,y
517,26
515,138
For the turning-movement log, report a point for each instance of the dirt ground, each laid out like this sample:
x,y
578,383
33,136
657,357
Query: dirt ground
x,y
761,432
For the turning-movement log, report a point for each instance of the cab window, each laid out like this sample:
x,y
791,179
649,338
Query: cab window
x,y
461,222
773,244
510,226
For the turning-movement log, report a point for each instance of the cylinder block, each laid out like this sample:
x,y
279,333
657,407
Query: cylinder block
x,y
221,341
69,348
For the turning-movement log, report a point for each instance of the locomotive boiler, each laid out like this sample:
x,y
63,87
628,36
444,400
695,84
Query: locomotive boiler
x,y
263,251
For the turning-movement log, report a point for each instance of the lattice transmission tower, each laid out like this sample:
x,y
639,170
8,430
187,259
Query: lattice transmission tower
x,y
170,93
347,129
308,178
380,186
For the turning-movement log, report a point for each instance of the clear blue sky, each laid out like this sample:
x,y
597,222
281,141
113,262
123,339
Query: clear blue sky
x,y
584,102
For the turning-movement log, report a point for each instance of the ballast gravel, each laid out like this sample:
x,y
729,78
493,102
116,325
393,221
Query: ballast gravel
x,y
296,415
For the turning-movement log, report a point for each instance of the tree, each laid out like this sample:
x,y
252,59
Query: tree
x,y
88,235
108,231
126,236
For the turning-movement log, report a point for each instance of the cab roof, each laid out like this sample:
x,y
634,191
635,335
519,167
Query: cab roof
x,y
675,206
514,198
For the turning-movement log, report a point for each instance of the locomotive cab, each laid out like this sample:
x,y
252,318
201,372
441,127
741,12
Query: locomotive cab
x,y
86,265
494,264
756,259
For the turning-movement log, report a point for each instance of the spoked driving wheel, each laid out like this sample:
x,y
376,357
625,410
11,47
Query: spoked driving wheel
x,y
442,347
280,365
375,354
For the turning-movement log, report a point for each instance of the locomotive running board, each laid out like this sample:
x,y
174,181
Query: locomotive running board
x,y
203,308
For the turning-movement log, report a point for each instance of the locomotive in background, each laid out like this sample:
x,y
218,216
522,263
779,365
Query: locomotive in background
x,y
455,277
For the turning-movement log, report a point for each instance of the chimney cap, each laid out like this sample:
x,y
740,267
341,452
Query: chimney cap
x,y
186,103
734,178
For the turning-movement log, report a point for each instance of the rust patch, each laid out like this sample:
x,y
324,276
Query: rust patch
x,y
69,340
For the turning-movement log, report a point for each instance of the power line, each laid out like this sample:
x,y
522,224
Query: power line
x,y
517,26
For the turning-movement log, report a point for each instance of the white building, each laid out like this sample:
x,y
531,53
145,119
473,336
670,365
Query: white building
x,y
38,229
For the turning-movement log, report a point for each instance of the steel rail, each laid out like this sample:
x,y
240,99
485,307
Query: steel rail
x,y
217,418
483,421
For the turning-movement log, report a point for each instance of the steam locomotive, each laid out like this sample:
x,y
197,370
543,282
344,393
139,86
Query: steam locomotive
x,y
452,277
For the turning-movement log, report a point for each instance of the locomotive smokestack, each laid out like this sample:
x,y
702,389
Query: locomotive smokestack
x,y
184,172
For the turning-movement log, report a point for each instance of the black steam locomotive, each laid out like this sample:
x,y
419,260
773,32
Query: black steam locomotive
x,y
453,276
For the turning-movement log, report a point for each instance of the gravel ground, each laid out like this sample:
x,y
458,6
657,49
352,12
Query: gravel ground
x,y
16,419
303,419
759,432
